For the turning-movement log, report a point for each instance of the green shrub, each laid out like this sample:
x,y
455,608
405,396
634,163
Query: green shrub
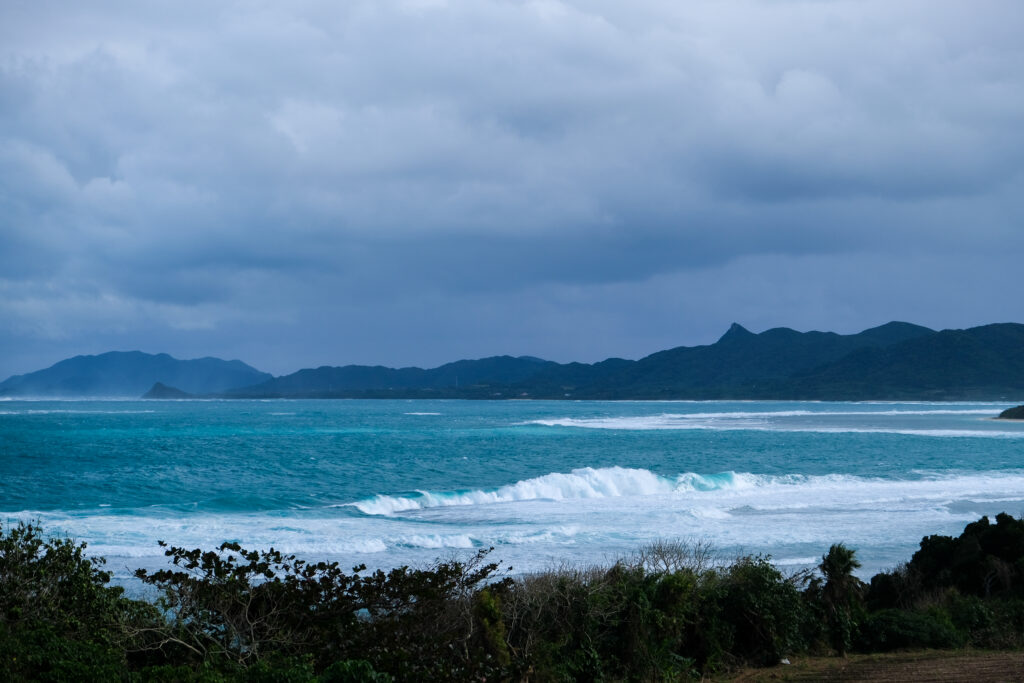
x,y
972,617
901,587
1007,629
280,670
58,618
178,673
353,671
620,623
239,616
893,629
986,560
556,619
238,609
747,613
40,652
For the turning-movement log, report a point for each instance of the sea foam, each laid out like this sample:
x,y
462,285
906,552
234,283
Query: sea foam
x,y
722,490
788,421
340,482
585,482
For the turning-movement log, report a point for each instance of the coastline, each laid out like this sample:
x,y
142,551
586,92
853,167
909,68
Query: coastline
x,y
228,613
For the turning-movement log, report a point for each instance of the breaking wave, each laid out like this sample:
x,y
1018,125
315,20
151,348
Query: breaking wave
x,y
730,488
789,421
586,482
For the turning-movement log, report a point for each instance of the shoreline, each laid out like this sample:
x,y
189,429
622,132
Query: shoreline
x,y
241,611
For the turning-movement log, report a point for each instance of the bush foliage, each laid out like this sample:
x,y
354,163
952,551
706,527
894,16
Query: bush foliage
x,y
670,612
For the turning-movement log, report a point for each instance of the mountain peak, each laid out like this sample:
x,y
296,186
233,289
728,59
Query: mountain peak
x,y
735,332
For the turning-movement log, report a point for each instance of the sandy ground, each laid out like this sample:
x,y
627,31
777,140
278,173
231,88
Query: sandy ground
x,y
973,666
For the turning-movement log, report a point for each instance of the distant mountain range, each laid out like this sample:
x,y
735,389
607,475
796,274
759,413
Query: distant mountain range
x,y
898,361
130,373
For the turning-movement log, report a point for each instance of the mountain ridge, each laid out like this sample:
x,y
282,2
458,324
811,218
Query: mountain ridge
x,y
897,361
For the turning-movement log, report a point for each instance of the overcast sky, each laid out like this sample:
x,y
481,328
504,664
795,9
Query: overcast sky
x,y
409,182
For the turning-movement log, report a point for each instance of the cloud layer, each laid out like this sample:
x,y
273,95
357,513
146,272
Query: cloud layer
x,y
413,181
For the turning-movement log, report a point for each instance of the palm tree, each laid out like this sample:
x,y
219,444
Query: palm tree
x,y
842,593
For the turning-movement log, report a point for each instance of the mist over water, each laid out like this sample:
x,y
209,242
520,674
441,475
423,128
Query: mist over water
x,y
385,483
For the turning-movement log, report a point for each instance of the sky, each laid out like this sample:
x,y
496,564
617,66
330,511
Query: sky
x,y
411,182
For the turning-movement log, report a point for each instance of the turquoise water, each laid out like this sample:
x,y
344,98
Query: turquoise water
x,y
394,482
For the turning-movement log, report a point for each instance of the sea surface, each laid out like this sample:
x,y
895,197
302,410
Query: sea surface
x,y
386,483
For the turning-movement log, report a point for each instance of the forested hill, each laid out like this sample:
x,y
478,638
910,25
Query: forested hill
x,y
739,365
130,373
465,377
893,361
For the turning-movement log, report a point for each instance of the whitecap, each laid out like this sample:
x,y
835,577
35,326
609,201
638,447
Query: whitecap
x,y
754,421
586,482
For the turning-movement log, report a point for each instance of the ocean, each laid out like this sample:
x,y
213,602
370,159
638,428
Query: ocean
x,y
546,483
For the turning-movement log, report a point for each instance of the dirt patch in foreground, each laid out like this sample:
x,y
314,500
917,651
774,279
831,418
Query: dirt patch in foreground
x,y
977,667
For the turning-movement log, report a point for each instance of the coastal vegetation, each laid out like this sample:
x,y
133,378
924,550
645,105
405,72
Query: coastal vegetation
x,y
1015,413
672,611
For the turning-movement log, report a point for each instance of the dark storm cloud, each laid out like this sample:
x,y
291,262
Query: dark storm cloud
x,y
414,181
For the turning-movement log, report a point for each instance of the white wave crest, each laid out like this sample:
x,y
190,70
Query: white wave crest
x,y
775,421
715,494
75,412
644,422
586,482
436,541
740,415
